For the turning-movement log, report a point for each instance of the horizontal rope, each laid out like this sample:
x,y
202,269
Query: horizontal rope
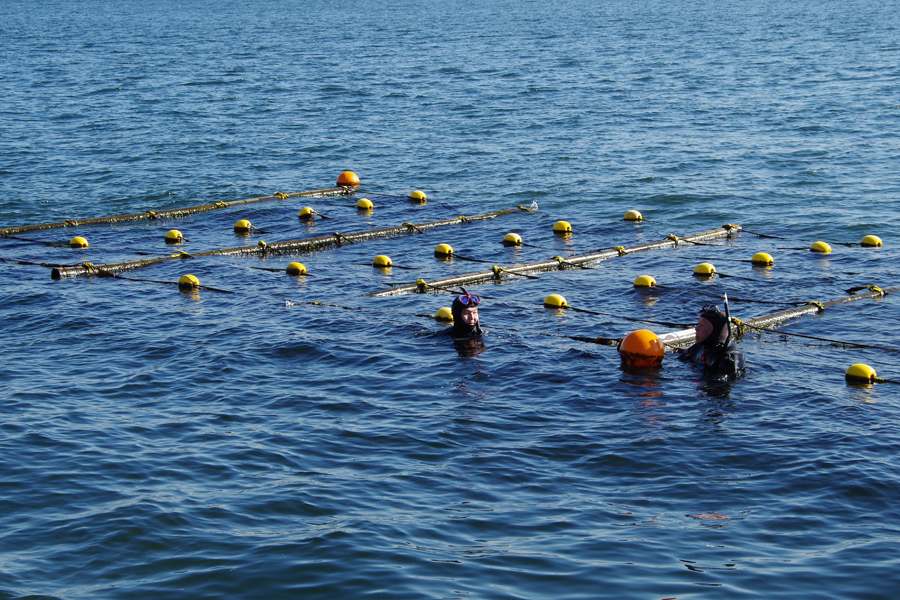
x,y
498,270
821,339
37,264
399,197
764,235
174,213
460,257
103,273
33,241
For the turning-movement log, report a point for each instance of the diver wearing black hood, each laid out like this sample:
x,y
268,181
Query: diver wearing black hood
x,y
465,316
714,348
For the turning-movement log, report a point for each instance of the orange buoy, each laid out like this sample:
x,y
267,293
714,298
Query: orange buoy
x,y
348,179
641,348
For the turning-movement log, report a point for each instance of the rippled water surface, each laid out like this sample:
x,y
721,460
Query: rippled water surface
x,y
158,444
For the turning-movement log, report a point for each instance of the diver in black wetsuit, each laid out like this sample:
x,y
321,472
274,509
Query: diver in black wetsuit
x,y
465,316
466,330
713,347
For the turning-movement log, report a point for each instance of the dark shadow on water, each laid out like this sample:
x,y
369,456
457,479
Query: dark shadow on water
x,y
647,379
640,374
716,386
467,348
716,412
650,407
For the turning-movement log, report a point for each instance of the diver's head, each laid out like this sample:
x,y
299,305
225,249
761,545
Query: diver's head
x,y
465,314
711,328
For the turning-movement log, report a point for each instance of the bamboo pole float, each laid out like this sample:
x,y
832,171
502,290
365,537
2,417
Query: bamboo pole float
x,y
175,213
306,245
677,338
554,264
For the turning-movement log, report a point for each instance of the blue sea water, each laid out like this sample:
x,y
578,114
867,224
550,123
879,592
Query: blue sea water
x,y
158,444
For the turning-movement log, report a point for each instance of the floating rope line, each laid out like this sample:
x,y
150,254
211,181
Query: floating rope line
x,y
36,264
390,266
751,301
383,195
460,257
727,276
581,338
563,261
311,303
821,339
764,235
717,259
105,273
306,245
699,243
554,265
460,292
33,241
271,270
175,213
633,319
528,306
524,244
498,270
778,237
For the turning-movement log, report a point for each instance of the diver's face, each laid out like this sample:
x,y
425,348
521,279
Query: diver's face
x,y
702,329
469,316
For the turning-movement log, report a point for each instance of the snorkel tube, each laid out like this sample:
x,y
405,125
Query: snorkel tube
x,y
727,320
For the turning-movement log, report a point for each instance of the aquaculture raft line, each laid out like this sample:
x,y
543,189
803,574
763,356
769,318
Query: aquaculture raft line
x,y
175,213
305,245
677,338
555,264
